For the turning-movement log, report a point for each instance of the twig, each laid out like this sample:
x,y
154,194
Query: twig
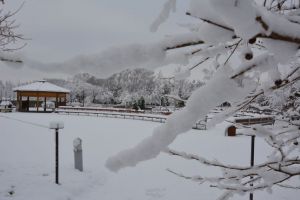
x,y
211,22
196,65
187,44
236,45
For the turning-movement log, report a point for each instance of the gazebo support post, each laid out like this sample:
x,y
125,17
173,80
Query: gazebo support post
x,y
65,100
20,104
27,109
18,101
37,103
56,101
45,105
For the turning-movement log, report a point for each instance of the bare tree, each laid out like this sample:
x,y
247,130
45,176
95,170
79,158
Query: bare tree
x,y
9,37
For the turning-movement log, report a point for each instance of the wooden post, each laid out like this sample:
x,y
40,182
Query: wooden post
x,y
18,101
65,98
27,109
56,101
37,103
45,104
21,106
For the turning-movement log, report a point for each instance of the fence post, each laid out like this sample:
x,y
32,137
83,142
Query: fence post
x,y
77,144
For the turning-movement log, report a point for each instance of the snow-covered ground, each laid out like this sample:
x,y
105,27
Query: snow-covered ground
x,y
27,161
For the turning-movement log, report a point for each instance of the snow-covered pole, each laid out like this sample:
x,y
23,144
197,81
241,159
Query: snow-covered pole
x,y
77,144
56,125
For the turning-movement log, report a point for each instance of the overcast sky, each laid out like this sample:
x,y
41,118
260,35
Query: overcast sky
x,y
61,29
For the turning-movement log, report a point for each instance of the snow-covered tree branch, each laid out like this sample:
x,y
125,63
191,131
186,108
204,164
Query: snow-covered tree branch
x,y
264,42
279,168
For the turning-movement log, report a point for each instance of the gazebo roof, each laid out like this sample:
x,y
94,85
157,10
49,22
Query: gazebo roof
x,y
41,86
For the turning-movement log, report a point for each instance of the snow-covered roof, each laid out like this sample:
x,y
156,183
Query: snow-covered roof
x,y
41,86
5,103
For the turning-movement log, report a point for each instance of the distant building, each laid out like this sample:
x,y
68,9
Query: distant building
x,y
38,95
6,105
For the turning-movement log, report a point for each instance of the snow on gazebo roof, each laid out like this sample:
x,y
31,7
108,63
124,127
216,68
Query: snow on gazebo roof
x,y
41,86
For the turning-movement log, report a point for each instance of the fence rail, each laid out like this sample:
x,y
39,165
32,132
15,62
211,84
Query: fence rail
x,y
256,120
122,110
98,112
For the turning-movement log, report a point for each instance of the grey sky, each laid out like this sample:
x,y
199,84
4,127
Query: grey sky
x,y
61,29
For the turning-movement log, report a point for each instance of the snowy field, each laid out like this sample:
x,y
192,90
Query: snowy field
x,y
27,161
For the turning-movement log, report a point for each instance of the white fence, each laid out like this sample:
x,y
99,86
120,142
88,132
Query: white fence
x,y
119,113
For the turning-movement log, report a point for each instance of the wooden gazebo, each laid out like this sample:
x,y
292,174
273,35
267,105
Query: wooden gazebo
x,y
40,93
